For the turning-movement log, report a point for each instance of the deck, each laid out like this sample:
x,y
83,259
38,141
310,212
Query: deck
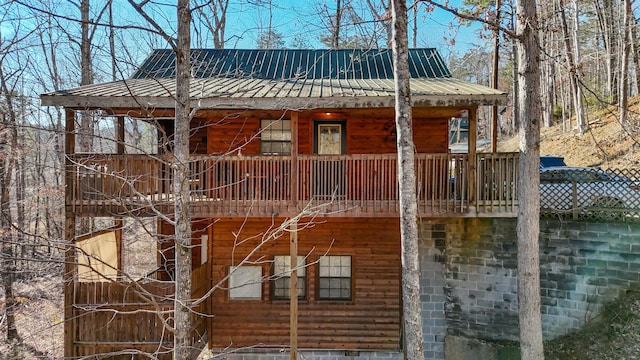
x,y
256,186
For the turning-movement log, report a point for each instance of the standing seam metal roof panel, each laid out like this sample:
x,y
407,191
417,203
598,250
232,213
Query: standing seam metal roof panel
x,y
279,64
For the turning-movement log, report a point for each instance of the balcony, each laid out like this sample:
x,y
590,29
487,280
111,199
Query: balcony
x,y
258,186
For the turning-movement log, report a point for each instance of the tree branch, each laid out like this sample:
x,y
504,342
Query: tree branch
x,y
464,16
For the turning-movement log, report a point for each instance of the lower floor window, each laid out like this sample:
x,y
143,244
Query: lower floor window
x,y
334,278
245,282
282,277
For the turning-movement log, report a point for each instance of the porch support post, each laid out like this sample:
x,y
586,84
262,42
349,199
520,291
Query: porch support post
x,y
69,236
294,160
120,149
473,133
120,135
293,289
69,149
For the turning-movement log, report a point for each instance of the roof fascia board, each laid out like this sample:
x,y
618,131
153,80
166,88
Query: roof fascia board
x,y
88,102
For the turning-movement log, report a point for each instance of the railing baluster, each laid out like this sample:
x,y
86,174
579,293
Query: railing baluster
x,y
231,185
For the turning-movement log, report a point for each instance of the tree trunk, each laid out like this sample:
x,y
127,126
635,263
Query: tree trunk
x,y
182,310
604,12
571,54
528,227
213,17
516,88
86,126
494,82
8,148
335,38
624,63
412,314
577,72
635,50
112,44
546,79
220,17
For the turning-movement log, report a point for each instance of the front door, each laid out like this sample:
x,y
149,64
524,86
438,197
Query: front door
x,y
329,139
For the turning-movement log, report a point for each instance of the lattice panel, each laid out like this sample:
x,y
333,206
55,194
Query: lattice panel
x,y
591,194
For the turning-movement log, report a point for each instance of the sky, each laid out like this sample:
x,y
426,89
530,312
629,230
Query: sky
x,y
299,18
245,20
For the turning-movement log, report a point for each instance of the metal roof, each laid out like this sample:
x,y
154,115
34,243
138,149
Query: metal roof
x,y
282,79
293,64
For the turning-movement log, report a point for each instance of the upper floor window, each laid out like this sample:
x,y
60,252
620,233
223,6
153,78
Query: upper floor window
x,y
281,283
275,137
334,278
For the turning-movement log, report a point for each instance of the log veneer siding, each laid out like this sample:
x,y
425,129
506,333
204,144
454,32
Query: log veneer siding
x,y
367,132
371,320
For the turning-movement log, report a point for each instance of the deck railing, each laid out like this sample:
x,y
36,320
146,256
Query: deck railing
x,y
363,184
497,183
124,320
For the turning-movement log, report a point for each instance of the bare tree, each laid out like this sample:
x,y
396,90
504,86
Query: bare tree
x,y
355,24
8,161
528,227
381,16
412,311
607,24
182,217
572,54
528,117
624,61
335,36
213,15
182,302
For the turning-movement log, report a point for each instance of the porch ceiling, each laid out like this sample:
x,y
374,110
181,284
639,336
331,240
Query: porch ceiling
x,y
274,94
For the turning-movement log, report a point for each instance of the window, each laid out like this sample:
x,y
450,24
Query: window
x,y
245,282
275,137
282,277
334,278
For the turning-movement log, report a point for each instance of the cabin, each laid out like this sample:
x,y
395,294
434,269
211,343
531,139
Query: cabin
x,y
292,175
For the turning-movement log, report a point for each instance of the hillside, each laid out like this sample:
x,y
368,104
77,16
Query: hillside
x,y
606,144
613,335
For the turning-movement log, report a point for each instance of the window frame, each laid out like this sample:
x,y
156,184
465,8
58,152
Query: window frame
x,y
274,126
319,278
319,123
255,283
302,279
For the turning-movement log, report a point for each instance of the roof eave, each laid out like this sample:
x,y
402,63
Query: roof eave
x,y
92,102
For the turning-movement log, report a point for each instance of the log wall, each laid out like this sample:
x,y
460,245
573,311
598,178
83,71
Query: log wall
x,y
371,320
166,244
367,131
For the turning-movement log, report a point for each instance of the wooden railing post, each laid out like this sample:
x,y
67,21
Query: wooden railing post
x,y
574,201
473,160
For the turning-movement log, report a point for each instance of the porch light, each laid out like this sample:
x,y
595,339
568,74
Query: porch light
x,y
329,114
